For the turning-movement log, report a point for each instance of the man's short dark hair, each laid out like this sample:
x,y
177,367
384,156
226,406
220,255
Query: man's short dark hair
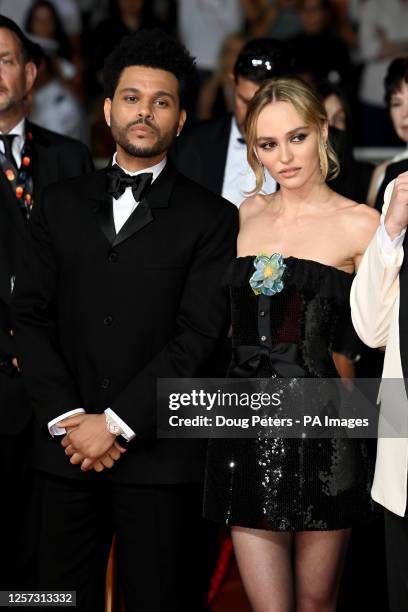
x,y
152,49
264,58
29,50
397,73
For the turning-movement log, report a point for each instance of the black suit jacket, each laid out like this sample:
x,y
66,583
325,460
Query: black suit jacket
x,y
100,316
54,157
201,154
392,171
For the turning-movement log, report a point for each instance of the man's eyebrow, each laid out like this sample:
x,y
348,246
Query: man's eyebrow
x,y
159,93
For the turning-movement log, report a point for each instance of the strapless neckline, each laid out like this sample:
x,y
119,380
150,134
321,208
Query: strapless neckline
x,y
303,260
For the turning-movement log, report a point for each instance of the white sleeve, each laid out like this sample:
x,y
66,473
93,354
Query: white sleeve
x,y
127,432
387,245
59,431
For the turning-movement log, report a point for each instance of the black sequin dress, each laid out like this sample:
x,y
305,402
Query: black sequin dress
x,y
289,484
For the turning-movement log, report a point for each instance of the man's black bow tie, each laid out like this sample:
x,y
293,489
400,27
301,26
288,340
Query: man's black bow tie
x,y
118,181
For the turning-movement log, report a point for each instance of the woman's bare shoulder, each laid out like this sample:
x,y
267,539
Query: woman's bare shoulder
x,y
360,222
253,206
364,214
361,212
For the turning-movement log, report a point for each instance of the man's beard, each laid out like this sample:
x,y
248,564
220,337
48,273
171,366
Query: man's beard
x,y
7,102
161,145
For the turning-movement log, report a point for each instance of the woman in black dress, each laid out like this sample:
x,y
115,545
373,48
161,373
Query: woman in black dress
x,y
291,503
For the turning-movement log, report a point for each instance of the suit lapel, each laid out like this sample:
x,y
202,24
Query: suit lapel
x,y
218,156
403,313
140,217
45,168
104,213
157,197
9,202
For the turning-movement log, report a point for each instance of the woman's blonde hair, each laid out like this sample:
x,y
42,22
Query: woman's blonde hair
x,y
309,107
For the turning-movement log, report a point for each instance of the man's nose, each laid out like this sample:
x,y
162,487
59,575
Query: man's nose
x,y
144,109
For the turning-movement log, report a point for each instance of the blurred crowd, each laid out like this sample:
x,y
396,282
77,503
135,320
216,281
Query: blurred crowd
x,y
345,47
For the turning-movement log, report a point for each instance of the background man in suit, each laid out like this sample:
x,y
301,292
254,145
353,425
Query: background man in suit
x,y
379,302
123,285
30,159
213,152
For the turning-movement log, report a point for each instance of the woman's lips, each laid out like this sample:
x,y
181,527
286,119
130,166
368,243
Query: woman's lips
x,y
289,172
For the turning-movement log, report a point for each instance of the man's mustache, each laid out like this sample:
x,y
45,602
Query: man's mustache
x,y
143,121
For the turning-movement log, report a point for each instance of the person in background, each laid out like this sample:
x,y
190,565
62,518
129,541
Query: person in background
x,y
336,105
216,96
213,152
203,25
383,36
356,174
278,19
53,105
396,100
44,26
319,51
30,159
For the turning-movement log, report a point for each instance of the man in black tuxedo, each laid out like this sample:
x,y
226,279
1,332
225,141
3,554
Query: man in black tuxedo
x,y
30,159
123,284
213,152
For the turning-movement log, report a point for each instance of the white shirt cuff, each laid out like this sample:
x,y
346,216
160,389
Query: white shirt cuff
x,y
389,246
59,431
127,432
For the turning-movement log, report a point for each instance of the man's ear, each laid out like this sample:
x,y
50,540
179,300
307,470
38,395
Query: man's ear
x,y
107,105
30,70
182,120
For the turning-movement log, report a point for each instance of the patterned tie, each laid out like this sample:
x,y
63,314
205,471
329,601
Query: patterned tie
x,y
7,140
118,181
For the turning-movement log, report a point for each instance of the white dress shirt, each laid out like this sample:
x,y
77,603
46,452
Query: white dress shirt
x,y
18,141
122,209
239,179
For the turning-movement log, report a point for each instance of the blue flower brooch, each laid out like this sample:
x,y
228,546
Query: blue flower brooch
x,y
267,278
